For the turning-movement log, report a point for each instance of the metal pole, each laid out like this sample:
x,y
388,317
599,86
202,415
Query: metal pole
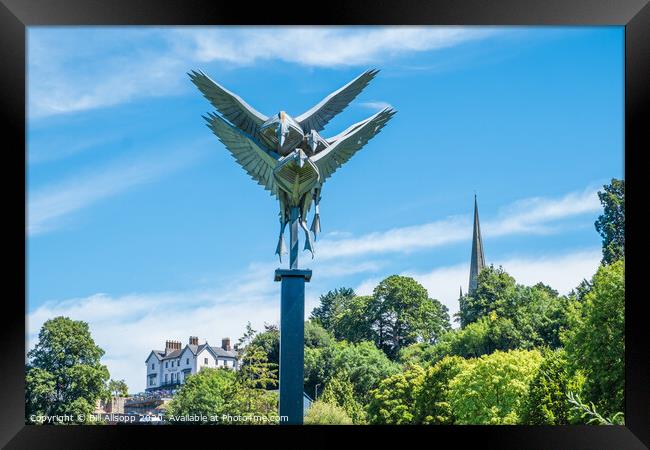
x,y
293,231
292,343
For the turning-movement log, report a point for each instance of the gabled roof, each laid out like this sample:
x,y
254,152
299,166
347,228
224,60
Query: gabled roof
x,y
158,353
195,349
217,351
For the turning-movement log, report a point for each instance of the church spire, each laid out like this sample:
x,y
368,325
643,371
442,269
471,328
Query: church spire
x,y
478,259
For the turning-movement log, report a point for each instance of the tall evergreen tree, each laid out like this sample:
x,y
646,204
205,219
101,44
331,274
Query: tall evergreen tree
x,y
611,224
329,304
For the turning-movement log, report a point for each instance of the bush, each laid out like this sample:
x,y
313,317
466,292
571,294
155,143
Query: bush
x,y
322,413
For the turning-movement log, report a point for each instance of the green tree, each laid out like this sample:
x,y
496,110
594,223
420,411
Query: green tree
x,y
64,374
269,340
495,292
611,224
419,353
255,376
352,320
482,337
491,390
402,313
340,391
322,413
118,388
595,341
364,364
547,399
539,316
432,405
527,316
393,401
316,336
416,396
329,304
210,392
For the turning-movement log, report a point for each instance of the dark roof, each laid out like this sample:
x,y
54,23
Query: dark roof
x,y
174,354
221,352
197,349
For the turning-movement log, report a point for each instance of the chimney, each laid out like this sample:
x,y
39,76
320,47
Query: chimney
x,y
194,340
171,346
225,344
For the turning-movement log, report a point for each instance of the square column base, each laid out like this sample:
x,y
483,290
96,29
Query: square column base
x,y
292,344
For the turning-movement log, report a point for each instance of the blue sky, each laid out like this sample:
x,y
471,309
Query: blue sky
x,y
141,223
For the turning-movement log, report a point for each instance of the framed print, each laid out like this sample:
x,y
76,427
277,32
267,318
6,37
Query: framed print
x,y
386,219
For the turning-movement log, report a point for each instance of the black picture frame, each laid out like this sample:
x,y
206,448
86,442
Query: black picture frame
x,y
16,15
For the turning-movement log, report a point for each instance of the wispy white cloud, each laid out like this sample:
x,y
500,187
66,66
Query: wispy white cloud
x,y
65,74
377,105
150,78
562,272
536,213
530,216
55,148
48,206
323,46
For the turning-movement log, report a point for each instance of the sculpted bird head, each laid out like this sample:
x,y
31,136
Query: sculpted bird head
x,y
299,157
281,133
312,140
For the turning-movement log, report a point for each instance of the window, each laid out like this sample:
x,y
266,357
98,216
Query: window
x,y
166,378
153,366
205,360
187,361
166,362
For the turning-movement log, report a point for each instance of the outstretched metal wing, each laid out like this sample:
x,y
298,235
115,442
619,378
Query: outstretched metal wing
x,y
346,144
258,162
317,117
233,108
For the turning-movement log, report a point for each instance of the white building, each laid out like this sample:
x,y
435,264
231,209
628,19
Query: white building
x,y
167,369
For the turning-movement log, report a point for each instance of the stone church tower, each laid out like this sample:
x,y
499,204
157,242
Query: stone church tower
x,y
478,259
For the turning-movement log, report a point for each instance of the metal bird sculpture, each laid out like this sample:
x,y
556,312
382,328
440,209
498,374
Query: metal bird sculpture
x,y
288,156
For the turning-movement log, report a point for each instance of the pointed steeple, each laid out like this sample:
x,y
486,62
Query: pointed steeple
x,y
461,292
478,259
